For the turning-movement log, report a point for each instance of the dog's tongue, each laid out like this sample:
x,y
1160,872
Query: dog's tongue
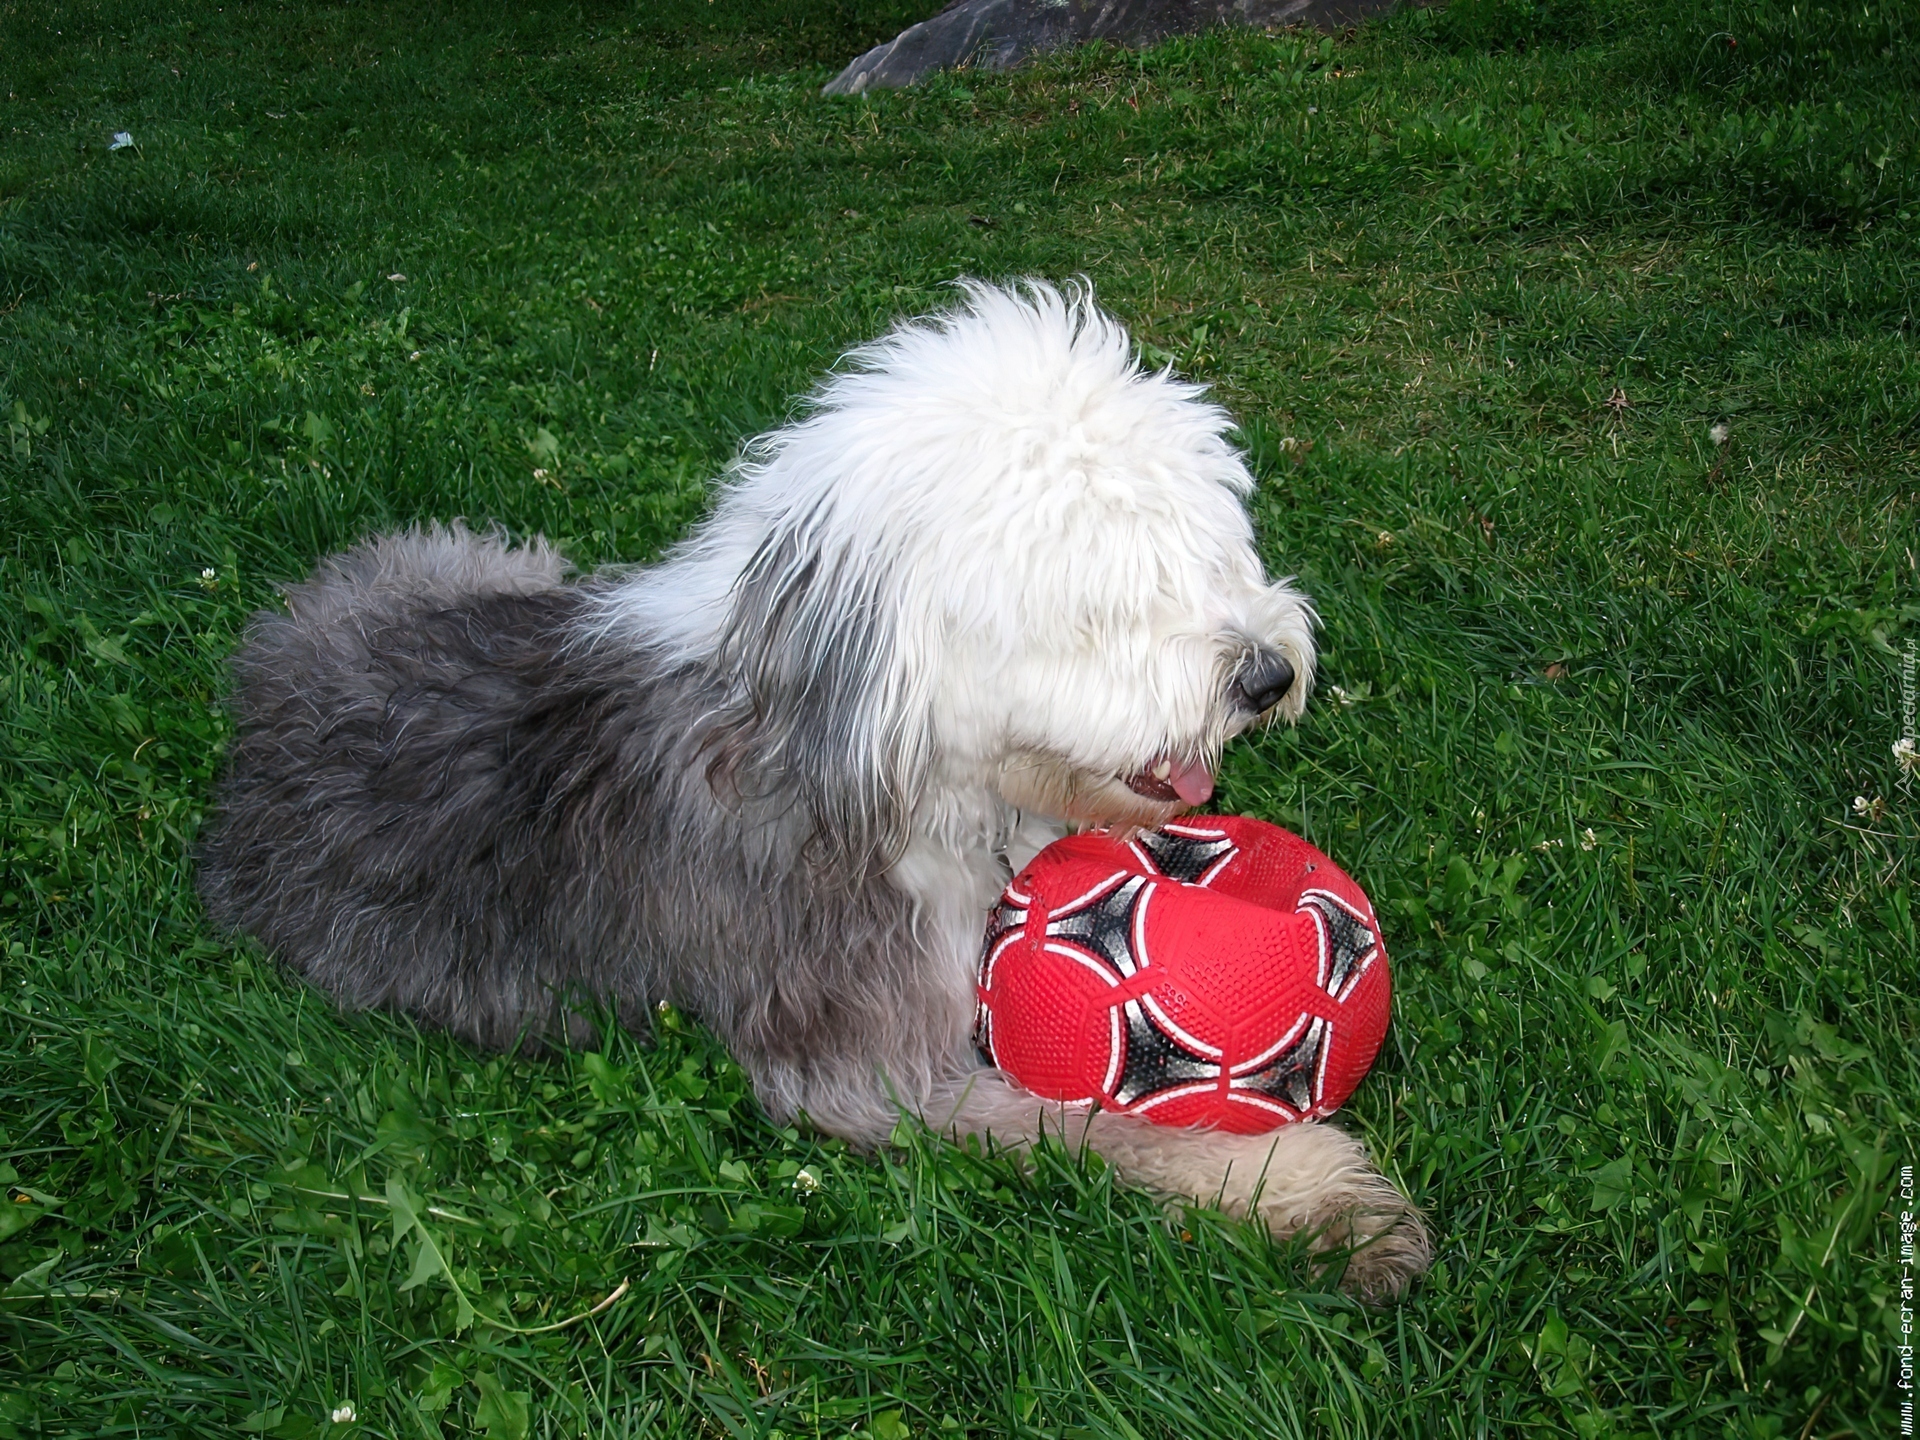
x,y
1194,782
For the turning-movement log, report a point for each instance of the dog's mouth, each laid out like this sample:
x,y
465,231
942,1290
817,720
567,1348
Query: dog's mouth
x,y
1172,781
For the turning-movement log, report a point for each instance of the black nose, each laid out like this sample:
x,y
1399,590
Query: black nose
x,y
1263,680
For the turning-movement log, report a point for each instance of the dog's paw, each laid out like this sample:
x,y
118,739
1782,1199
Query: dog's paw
x,y
1315,1180
1375,1240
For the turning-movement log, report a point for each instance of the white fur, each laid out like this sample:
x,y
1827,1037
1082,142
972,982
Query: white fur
x,y
1071,556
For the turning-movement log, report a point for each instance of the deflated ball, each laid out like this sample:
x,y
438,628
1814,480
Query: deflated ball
x,y
1218,972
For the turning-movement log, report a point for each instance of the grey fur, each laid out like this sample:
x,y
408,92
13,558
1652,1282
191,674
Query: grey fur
x,y
438,803
818,709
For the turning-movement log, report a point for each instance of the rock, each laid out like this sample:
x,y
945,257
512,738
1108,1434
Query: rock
x,y
999,34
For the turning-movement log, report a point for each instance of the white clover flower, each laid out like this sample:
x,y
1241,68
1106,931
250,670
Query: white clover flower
x,y
343,1414
208,573
1861,805
1588,840
1905,755
806,1182
1720,433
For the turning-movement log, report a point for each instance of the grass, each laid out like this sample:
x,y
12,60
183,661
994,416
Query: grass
x,y
1600,693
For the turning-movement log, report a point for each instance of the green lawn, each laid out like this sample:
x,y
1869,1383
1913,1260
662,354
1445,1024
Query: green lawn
x,y
1599,694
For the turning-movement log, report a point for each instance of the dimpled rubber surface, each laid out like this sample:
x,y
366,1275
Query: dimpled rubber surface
x,y
1218,972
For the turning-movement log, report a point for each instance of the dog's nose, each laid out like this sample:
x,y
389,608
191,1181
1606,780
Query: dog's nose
x,y
1263,681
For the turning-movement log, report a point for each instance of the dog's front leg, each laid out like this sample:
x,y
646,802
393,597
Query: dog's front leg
x,y
1304,1177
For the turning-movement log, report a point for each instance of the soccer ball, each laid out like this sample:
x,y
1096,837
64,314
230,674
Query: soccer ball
x,y
1217,972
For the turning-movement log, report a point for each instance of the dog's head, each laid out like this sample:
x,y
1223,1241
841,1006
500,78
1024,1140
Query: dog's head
x,y
1105,625
999,552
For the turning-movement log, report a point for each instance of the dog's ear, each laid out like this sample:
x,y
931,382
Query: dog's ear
x,y
830,711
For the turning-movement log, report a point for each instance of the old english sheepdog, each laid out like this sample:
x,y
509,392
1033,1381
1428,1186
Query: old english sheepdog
x,y
997,581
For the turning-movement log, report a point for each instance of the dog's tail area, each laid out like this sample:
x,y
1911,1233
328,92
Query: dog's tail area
x,y
358,829
426,566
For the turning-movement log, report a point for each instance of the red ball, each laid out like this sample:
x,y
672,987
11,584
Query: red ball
x,y
1218,972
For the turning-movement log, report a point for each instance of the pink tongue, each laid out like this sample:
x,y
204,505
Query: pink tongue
x,y
1194,782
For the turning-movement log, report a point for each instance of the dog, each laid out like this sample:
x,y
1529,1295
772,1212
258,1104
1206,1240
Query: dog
x,y
995,582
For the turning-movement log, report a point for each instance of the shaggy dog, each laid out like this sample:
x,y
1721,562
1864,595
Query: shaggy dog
x,y
998,581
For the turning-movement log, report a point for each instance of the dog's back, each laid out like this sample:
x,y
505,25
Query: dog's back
x,y
395,819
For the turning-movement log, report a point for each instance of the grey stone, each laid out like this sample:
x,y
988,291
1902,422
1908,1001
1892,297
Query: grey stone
x,y
999,34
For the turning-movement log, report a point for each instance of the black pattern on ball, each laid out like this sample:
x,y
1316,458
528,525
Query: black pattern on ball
x,y
1154,1061
1350,943
1186,857
1103,927
1293,1076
